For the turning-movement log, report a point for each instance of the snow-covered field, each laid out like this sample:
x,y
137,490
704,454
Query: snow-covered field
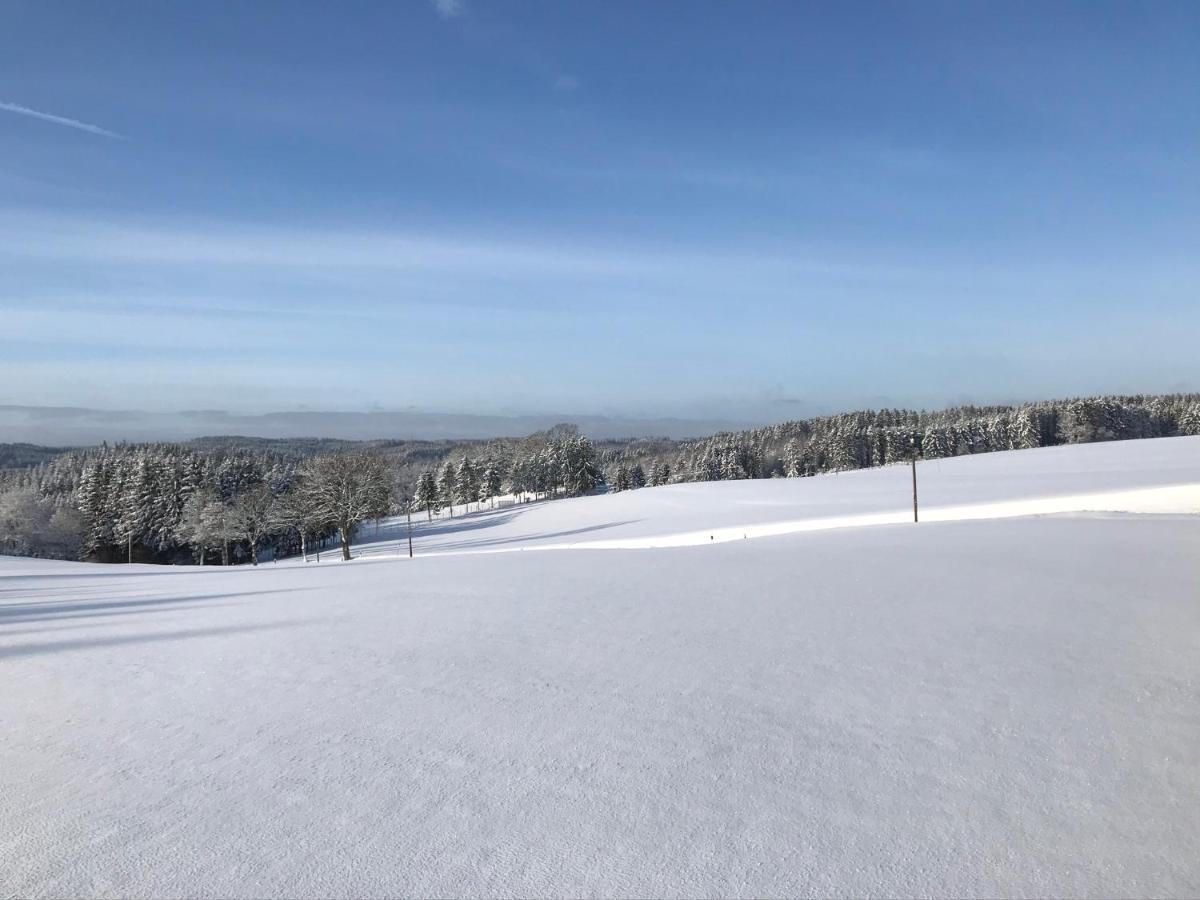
x,y
996,706
1160,476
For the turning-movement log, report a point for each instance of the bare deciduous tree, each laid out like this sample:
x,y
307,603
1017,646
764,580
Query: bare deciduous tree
x,y
253,516
301,509
347,489
207,524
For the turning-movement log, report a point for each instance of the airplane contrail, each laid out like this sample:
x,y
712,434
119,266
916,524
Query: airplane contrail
x,y
60,120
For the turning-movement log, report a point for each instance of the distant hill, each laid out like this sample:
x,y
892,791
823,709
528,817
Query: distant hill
x,y
22,456
78,426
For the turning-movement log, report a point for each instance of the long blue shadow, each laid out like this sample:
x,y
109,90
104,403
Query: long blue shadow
x,y
62,609
49,647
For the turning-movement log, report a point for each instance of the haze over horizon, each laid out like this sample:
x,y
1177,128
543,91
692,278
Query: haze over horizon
x,y
81,426
719,213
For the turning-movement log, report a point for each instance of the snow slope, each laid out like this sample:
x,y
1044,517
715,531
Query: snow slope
x,y
998,707
1154,476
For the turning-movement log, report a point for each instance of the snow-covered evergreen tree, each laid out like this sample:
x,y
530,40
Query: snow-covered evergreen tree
x,y
467,482
448,485
95,508
577,462
621,480
427,493
490,485
1189,419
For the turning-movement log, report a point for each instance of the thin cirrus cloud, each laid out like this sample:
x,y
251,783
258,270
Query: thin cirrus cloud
x,y
31,241
60,120
29,238
449,9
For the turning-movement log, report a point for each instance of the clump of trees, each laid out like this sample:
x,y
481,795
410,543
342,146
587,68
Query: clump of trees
x,y
164,503
565,464
168,504
35,525
627,478
559,463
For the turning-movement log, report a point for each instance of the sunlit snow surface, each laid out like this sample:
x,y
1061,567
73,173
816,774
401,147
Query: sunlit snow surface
x,y
997,707
1160,476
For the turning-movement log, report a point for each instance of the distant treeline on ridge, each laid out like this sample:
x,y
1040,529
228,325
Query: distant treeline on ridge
x,y
236,499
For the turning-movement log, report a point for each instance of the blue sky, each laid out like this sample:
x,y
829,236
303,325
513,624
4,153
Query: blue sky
x,y
751,211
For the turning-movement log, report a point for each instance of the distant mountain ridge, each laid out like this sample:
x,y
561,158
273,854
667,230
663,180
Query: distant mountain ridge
x,y
78,427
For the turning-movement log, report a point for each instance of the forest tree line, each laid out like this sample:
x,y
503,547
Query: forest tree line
x,y
863,439
234,500
172,503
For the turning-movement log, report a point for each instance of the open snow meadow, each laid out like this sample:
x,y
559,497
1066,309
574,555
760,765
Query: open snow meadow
x,y
778,687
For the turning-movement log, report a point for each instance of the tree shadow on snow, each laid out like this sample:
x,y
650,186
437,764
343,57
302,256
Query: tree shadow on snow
x,y
470,522
48,647
111,570
371,542
51,624
54,610
524,538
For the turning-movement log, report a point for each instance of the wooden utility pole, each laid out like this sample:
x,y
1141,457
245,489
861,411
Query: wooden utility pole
x,y
914,468
408,515
914,440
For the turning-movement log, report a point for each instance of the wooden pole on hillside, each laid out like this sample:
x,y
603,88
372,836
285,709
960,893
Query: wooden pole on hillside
x,y
915,440
914,468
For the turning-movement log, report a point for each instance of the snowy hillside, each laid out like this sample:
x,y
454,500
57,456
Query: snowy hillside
x,y
1156,476
986,706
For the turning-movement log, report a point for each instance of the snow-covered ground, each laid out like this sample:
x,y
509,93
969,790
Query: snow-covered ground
x,y
1160,476
992,707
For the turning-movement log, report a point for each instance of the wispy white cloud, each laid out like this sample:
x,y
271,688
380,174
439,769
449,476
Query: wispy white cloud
x,y
32,236
566,83
60,120
449,9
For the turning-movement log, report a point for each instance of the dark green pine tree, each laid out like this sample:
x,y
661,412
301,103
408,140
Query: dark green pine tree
x,y
427,493
448,486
